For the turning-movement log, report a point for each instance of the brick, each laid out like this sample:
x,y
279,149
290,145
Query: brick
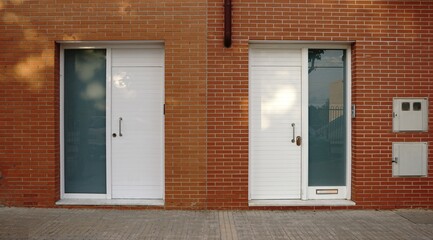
x,y
206,89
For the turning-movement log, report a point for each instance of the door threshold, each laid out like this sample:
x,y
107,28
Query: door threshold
x,y
126,202
262,203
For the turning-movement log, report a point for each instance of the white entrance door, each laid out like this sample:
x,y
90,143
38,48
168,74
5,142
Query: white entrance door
x,y
137,123
275,123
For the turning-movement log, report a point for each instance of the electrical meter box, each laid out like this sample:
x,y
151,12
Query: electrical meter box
x,y
410,115
409,159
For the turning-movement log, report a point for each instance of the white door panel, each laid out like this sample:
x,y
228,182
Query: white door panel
x,y
134,57
275,103
137,98
275,57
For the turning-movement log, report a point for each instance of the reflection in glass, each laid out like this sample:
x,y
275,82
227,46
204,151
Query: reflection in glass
x,y
120,79
84,121
327,124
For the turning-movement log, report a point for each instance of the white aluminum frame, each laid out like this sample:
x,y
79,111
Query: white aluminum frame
x,y
308,193
108,46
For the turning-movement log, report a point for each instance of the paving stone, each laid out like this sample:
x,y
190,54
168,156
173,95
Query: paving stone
x,y
418,216
38,224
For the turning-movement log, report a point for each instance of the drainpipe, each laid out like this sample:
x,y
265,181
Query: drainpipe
x,y
227,23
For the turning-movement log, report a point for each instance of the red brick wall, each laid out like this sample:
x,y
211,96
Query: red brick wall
x,y
227,111
391,57
29,93
206,128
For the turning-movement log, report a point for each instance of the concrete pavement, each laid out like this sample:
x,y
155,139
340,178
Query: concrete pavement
x,y
31,223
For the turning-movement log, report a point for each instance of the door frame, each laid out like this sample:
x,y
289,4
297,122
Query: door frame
x,y
108,46
307,192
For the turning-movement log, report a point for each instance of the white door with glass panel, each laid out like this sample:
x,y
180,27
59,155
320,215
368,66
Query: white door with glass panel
x,y
113,123
297,122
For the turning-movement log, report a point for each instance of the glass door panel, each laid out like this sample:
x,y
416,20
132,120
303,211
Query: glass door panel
x,y
327,124
84,120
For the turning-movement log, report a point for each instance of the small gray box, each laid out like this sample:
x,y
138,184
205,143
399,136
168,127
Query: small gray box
x,y
409,159
410,115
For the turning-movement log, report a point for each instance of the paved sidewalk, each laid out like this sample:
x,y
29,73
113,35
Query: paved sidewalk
x,y
30,223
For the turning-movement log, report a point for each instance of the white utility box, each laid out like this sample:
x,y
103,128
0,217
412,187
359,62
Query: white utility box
x,y
410,114
409,159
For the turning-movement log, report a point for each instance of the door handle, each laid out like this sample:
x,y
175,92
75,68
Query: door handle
x,y
296,139
120,127
294,133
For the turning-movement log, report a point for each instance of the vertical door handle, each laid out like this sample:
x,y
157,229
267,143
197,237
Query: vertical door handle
x,y
294,133
120,127
295,138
